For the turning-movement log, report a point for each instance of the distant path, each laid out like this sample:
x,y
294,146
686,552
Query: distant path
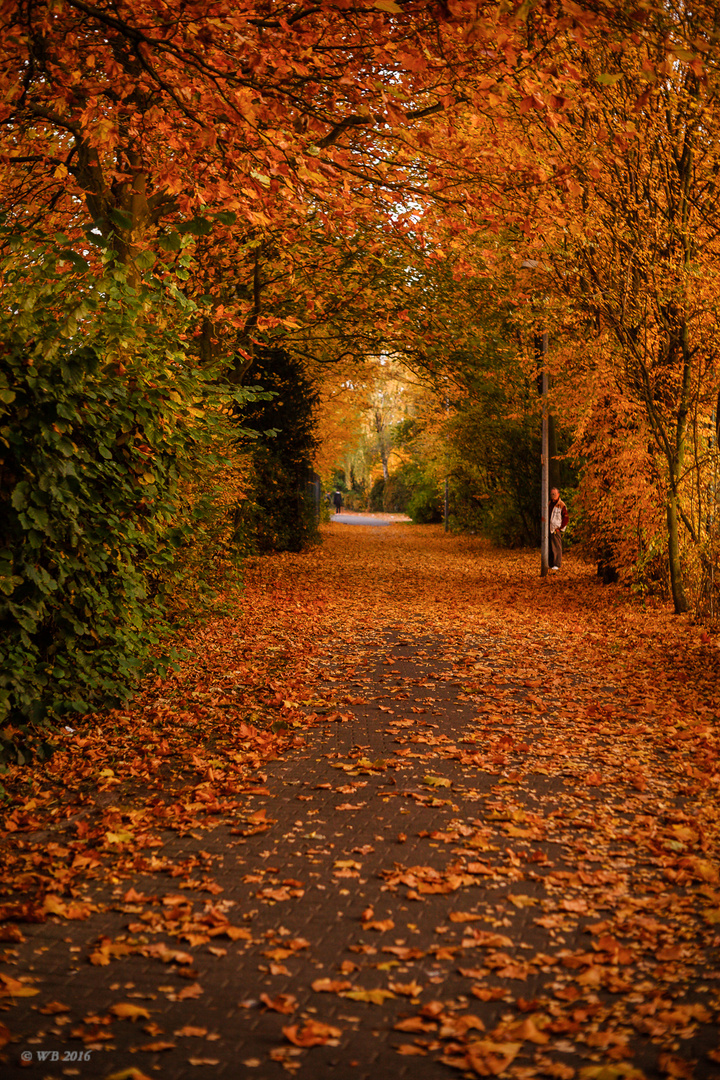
x,y
349,518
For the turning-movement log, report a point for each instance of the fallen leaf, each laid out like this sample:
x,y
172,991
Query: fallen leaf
x,y
14,988
53,1007
125,1010
374,997
411,989
437,781
283,1003
331,986
313,1033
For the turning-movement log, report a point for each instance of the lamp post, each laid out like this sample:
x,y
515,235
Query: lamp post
x,y
446,500
541,355
544,461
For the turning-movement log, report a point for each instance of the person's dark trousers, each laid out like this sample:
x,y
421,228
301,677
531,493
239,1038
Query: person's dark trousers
x,y
555,549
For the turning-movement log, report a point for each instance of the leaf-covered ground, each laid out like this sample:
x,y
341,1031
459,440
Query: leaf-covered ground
x,y
411,811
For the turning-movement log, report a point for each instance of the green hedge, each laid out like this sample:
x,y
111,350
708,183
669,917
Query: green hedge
x,y
100,413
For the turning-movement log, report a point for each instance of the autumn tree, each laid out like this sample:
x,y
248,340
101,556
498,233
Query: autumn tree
x,y
642,252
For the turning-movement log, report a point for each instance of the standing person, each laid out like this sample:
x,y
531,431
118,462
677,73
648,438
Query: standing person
x,y
558,518
337,500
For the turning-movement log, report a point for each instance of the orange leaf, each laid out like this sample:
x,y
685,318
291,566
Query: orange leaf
x,y
53,905
489,1058
283,1003
125,1010
411,989
237,933
15,988
331,986
380,924
313,1033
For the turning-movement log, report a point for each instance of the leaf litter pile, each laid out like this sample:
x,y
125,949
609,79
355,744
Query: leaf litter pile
x,y
411,810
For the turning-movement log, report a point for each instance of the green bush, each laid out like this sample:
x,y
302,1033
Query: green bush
x,y
399,489
409,491
100,414
355,500
376,497
425,505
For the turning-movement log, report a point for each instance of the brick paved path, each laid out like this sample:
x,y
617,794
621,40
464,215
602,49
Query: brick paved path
x,y
435,844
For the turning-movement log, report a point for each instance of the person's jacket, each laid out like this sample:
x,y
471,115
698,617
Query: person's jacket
x,y
563,519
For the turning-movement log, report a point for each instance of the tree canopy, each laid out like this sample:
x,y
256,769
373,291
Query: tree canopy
x,y
206,204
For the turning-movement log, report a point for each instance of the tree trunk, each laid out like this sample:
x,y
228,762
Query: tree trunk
x,y
676,581
382,448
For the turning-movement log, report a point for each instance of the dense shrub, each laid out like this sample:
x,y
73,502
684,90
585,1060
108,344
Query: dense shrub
x,y
355,499
399,488
407,491
100,416
377,492
426,505
280,513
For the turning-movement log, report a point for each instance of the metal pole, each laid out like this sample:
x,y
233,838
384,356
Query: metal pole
x,y
446,506
545,462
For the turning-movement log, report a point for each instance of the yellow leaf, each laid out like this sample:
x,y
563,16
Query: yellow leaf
x,y
436,781
521,901
118,837
127,1011
374,997
14,988
611,1072
705,870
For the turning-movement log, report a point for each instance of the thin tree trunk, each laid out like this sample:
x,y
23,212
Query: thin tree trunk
x,y
382,448
676,582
